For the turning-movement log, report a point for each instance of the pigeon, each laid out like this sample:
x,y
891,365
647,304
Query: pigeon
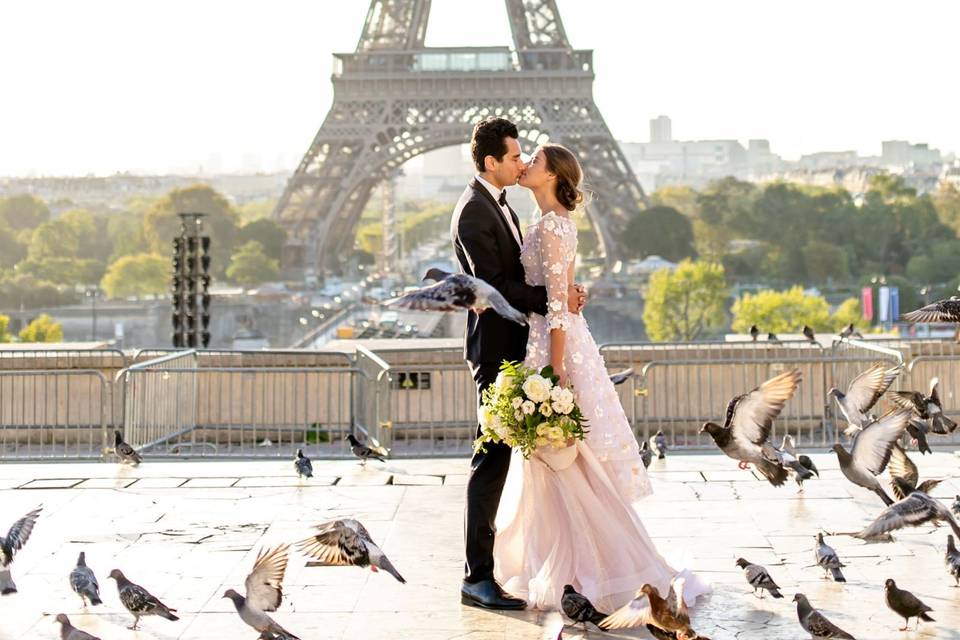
x,y
904,475
871,451
124,451
658,444
926,407
666,614
828,560
759,578
914,510
347,542
918,435
863,393
264,592
955,507
84,583
754,332
139,601
815,623
454,291
939,311
802,466
303,465
772,337
905,604
70,632
364,452
621,376
850,331
748,423
578,608
952,560
15,539
808,333
646,454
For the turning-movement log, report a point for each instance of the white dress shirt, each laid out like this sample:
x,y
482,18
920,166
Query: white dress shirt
x,y
503,209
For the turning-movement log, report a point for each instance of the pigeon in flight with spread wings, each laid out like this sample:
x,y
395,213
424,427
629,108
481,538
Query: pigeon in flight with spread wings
x,y
454,291
871,451
926,407
863,393
347,542
15,539
264,592
649,608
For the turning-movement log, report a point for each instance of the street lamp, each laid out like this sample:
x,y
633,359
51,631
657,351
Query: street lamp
x,y
93,292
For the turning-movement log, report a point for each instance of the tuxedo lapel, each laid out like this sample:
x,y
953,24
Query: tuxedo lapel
x,y
516,222
499,212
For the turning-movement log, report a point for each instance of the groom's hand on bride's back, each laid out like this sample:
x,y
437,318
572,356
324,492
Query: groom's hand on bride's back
x,y
576,298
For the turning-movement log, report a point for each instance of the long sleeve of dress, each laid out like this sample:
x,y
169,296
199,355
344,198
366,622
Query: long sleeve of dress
x,y
556,254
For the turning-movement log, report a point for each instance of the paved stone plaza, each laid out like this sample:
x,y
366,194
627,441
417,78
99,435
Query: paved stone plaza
x,y
189,530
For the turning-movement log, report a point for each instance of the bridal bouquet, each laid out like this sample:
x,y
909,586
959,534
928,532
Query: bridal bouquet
x,y
527,410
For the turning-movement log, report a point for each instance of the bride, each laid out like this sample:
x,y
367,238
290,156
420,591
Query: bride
x,y
563,519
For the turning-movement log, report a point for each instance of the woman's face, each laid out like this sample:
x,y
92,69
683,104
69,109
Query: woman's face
x,y
536,174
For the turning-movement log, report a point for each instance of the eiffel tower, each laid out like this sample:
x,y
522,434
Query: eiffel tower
x,y
395,99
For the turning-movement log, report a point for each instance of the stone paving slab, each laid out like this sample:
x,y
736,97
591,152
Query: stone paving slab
x,y
188,530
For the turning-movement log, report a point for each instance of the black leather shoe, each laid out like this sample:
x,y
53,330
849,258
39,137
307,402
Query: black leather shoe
x,y
487,594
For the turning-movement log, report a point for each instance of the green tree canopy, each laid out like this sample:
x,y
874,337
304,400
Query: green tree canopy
x,y
250,266
781,311
687,303
42,329
677,196
268,233
661,231
23,211
22,290
5,335
11,251
137,275
847,312
62,270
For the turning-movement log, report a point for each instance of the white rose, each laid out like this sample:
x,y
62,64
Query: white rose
x,y
502,431
528,407
537,388
517,402
563,407
504,381
546,410
518,415
566,396
486,416
555,393
541,442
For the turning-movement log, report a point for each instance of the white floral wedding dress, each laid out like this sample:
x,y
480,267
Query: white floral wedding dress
x,y
576,524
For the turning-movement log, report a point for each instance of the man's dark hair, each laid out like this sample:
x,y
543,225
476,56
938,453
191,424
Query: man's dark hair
x,y
487,140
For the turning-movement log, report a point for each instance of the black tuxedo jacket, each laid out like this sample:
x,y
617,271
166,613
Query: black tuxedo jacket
x,y
486,249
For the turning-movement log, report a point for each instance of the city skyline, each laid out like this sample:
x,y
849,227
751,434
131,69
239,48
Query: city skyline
x,y
252,84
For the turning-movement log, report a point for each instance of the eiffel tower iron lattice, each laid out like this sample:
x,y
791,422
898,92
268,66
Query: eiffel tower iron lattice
x,y
395,99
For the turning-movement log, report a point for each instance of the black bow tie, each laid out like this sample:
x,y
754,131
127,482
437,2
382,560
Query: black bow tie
x,y
503,198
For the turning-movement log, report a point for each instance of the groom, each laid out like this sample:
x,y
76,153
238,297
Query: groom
x,y
486,238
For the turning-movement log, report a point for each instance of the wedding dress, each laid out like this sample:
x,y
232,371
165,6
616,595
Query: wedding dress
x,y
576,524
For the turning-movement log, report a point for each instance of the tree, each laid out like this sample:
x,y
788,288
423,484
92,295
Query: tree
x,y
23,211
5,335
42,329
62,270
268,233
250,266
825,262
781,311
53,240
24,291
848,312
256,209
137,275
685,303
939,264
661,231
677,196
946,201
11,251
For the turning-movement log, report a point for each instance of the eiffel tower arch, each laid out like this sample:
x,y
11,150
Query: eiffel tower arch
x,y
395,99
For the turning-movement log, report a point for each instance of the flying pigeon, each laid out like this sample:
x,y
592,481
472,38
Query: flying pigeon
x,y
754,332
788,447
759,578
303,465
124,451
828,560
748,423
646,454
347,542
918,435
139,601
578,608
621,376
871,452
952,560
658,444
955,507
668,614
926,407
815,623
904,475
850,331
457,291
84,583
70,632
863,393
905,604
364,452
939,311
808,333
914,510
15,539
264,592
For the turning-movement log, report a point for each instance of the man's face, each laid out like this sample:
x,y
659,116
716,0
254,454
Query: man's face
x,y
509,170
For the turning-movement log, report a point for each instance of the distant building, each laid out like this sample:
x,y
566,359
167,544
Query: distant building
x,y
900,153
828,160
661,129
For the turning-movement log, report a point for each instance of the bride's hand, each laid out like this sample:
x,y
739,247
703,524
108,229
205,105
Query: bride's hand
x,y
564,381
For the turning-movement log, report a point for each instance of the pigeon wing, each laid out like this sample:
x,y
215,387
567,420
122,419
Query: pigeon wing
x,y
939,311
496,300
873,446
338,543
264,585
17,536
912,400
819,627
450,294
901,466
866,388
635,613
753,416
912,511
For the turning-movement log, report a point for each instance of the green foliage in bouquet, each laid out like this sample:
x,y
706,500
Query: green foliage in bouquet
x,y
526,409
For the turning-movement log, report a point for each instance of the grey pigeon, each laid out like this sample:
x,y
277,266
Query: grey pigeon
x,y
772,337
808,333
914,510
264,592
926,407
646,454
850,331
952,560
905,604
303,465
904,475
578,608
955,507
70,632
828,560
454,291
918,434
759,578
802,466
862,394
658,444
815,623
124,451
139,601
939,311
347,542
748,423
364,452
15,539
84,583
621,376
871,451
754,332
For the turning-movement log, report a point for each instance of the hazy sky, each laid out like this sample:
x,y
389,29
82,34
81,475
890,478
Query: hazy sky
x,y
100,86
